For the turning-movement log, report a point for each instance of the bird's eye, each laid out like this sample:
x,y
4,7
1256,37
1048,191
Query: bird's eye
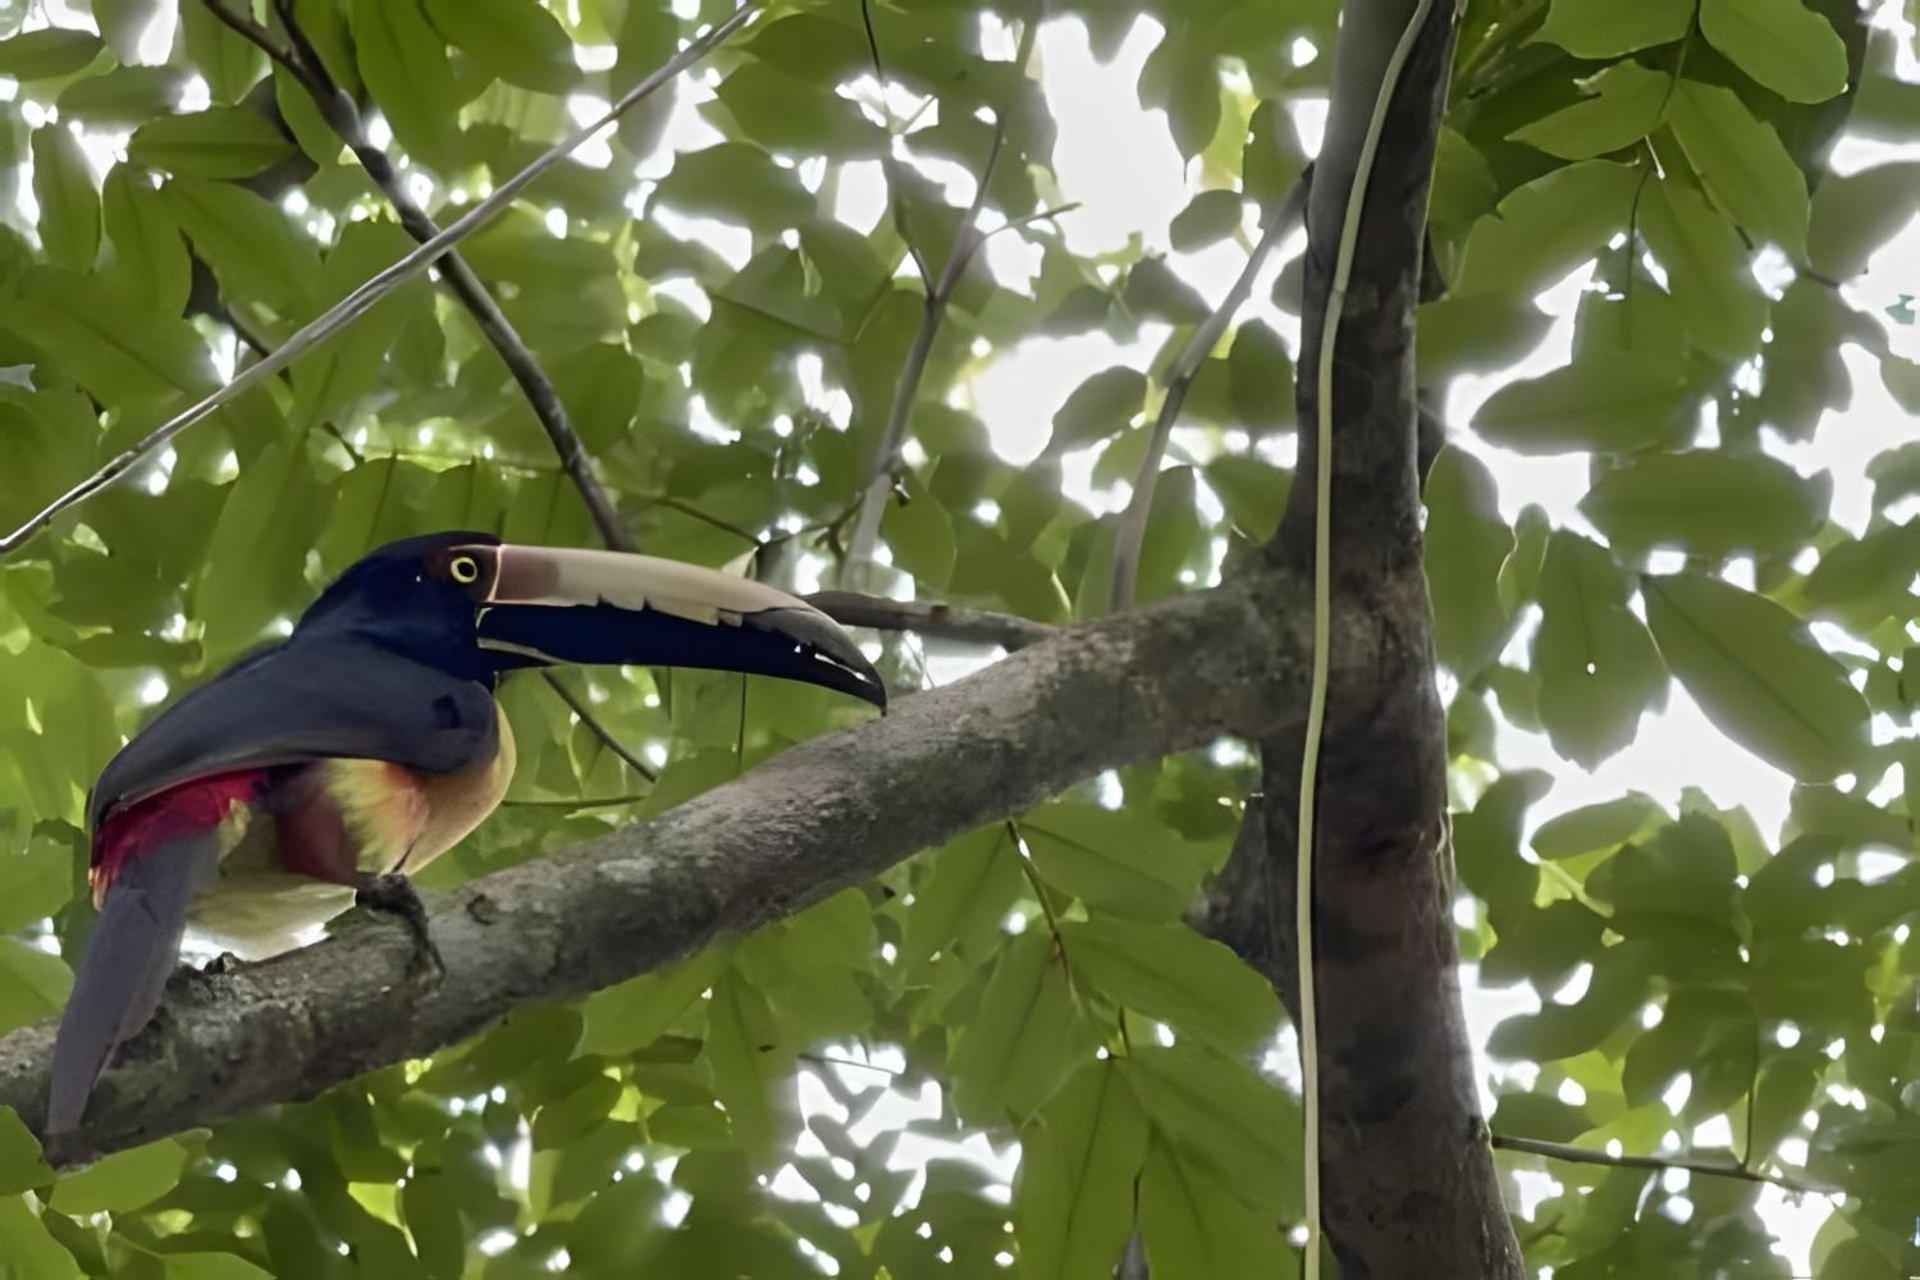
x,y
464,570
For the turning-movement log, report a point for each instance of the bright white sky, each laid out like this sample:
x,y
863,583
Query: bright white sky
x,y
1120,164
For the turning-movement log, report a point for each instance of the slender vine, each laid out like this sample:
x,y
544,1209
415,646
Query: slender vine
x,y
1323,628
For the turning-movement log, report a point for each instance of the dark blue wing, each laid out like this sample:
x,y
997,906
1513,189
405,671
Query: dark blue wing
x,y
302,700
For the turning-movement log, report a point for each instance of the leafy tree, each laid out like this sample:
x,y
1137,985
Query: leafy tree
x,y
1061,888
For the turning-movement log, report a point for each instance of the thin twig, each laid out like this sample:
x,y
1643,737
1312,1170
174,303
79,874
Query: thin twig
x,y
583,802
940,621
873,502
599,730
343,117
1587,1155
1132,533
376,287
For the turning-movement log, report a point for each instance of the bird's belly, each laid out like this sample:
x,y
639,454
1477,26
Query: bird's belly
x,y
290,872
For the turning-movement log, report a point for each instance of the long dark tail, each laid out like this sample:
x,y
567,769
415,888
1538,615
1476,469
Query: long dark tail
x,y
129,957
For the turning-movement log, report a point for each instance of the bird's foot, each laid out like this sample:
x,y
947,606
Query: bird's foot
x,y
394,894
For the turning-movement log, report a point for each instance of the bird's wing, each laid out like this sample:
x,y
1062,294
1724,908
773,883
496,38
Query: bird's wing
x,y
306,700
129,957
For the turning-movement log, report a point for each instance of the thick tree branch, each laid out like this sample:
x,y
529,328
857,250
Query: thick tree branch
x,y
1132,533
1409,1176
935,621
933,310
823,815
343,117
376,287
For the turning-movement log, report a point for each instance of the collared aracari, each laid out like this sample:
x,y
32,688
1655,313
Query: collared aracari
x,y
368,743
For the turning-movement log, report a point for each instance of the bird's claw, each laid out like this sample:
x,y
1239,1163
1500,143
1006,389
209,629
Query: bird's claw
x,y
394,894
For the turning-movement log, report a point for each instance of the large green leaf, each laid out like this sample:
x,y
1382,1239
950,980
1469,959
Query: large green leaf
x,y
1602,29
517,40
1073,1199
1098,408
69,205
1711,502
144,250
1741,160
1781,43
1025,1037
405,65
1113,860
1171,973
1708,268
1194,1228
1597,665
1626,106
1758,676
1466,544
1223,1118
48,53
224,142
1604,402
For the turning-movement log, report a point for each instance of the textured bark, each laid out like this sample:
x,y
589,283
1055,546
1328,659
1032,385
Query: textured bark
x,y
821,816
1410,1185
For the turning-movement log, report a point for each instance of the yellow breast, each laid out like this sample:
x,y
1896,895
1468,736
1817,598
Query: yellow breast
x,y
400,819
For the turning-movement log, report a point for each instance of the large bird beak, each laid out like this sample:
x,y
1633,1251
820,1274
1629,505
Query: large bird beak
x,y
548,605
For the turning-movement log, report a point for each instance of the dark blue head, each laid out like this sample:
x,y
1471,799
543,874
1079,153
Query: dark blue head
x,y
472,606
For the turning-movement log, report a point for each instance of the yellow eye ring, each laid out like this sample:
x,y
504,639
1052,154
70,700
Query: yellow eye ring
x,y
464,570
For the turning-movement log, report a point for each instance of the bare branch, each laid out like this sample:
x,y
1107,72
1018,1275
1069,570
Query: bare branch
x,y
1132,533
376,287
597,729
343,117
1587,1155
936,621
820,816
873,503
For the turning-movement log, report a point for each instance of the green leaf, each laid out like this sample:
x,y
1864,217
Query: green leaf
x,y
1466,543
1025,1037
123,23
783,112
1626,107
1169,972
1253,492
330,380
1098,408
253,567
1209,217
125,97
215,1266
1758,676
628,1017
1742,162
226,60
1855,214
736,182
28,1247
1606,29
69,205
1707,265
125,357
919,533
1597,665
122,1181
1260,377
1195,1229
1546,229
224,142
1153,290
1073,1196
517,40
1224,1118
23,1167
1114,861
973,884
1709,502
1780,43
1596,828
1604,402
405,66
47,54
144,249
1870,578
254,249
748,1073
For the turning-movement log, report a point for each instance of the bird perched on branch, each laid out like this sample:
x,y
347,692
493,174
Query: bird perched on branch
x,y
368,743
